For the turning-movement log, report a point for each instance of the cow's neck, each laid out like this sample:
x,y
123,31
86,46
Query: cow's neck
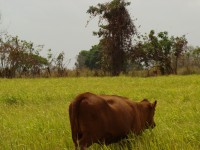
x,y
143,113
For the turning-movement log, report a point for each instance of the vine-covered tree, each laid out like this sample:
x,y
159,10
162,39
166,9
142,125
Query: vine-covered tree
x,y
116,30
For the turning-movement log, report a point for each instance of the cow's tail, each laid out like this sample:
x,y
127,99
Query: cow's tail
x,y
74,119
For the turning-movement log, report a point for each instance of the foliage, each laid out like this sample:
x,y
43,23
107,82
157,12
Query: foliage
x,y
196,56
116,30
179,45
89,59
81,59
60,64
159,50
19,56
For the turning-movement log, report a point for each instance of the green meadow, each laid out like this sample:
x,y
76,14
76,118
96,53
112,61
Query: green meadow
x,y
34,112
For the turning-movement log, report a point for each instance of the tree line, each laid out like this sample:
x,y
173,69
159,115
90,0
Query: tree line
x,y
122,49
19,58
154,54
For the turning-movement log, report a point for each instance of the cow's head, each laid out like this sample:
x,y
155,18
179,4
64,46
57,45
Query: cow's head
x,y
150,111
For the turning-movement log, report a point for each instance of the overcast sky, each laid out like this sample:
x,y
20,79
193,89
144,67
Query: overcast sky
x,y
60,24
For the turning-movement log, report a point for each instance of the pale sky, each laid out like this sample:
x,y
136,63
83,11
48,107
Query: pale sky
x,y
60,24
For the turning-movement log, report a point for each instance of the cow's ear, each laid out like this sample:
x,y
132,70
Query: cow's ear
x,y
154,104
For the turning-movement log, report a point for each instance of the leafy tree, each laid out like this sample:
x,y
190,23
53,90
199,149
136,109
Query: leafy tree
x,y
19,55
60,64
116,30
159,50
81,59
93,59
191,58
196,54
89,59
179,45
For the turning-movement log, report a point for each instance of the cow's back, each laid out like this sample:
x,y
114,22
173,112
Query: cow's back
x,y
106,118
125,112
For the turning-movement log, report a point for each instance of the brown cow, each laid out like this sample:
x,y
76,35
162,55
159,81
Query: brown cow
x,y
107,119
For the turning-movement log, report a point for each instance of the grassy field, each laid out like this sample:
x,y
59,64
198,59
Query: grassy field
x,y
34,112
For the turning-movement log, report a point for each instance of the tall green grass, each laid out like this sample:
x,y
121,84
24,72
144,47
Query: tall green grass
x,y
34,112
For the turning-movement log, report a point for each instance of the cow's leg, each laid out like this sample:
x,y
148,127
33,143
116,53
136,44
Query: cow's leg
x,y
83,147
85,142
75,140
76,146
